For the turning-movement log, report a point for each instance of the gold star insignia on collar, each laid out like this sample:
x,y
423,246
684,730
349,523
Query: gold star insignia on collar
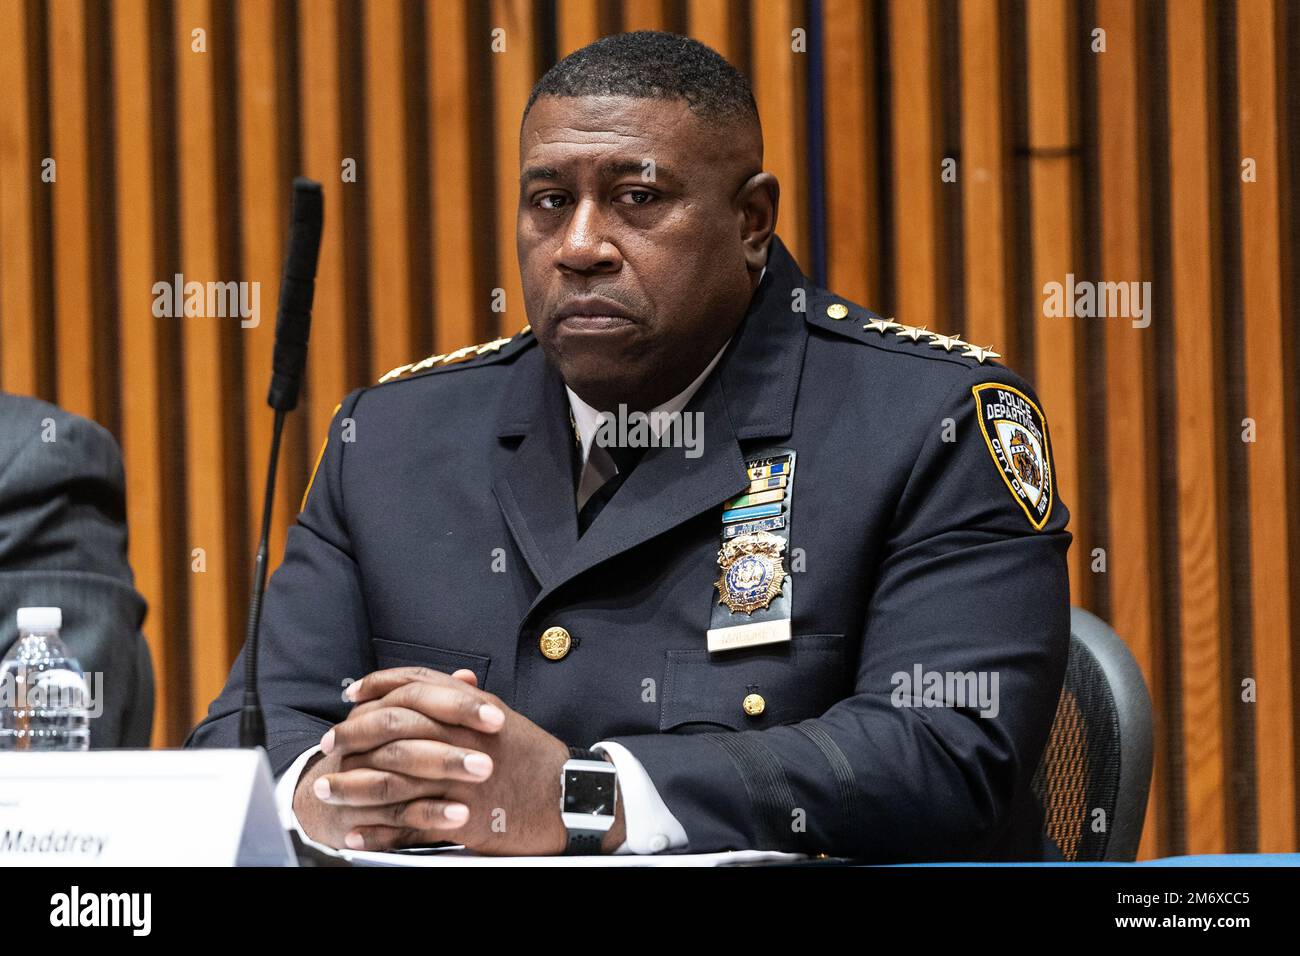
x,y
979,354
945,342
880,325
912,332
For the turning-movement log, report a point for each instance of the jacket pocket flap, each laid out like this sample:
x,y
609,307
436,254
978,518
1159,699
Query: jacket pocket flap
x,y
795,679
402,654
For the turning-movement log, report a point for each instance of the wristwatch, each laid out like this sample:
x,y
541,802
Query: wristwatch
x,y
587,799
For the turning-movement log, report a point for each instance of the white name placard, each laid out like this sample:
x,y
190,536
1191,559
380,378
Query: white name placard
x,y
140,808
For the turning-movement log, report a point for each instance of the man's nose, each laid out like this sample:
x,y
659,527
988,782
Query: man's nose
x,y
586,247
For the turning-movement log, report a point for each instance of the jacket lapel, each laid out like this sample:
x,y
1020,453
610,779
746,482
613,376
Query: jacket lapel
x,y
534,485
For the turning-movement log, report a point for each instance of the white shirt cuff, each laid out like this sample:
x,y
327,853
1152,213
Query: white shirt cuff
x,y
651,826
284,790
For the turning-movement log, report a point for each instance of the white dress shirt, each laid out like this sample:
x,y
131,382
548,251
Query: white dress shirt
x,y
650,825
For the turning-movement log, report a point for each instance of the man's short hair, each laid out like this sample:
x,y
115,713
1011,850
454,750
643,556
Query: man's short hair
x,y
653,65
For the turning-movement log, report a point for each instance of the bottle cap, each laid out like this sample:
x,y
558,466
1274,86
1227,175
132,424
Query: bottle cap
x,y
40,618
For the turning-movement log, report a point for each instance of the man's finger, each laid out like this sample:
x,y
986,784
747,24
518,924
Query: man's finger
x,y
366,731
367,787
378,683
464,675
451,703
479,711
426,759
413,816
380,838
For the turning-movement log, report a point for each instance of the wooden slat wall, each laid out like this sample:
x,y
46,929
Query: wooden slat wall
x,y
1199,429
20,178
913,62
332,360
985,172
1130,376
853,269
514,65
1269,339
1054,170
69,140
1112,165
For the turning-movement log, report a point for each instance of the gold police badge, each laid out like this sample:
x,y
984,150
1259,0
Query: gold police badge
x,y
752,571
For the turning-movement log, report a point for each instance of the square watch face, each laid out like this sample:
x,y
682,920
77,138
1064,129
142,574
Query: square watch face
x,y
589,791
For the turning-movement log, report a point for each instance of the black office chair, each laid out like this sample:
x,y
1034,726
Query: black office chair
x,y
1099,754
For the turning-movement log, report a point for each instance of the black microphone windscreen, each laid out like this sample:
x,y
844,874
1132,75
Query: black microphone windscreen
x,y
297,283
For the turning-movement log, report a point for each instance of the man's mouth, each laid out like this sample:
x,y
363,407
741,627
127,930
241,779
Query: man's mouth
x,y
594,323
593,314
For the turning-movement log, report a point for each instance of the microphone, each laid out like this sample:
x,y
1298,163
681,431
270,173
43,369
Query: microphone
x,y
292,327
297,283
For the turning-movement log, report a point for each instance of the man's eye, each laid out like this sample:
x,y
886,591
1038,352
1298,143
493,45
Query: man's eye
x,y
636,197
550,201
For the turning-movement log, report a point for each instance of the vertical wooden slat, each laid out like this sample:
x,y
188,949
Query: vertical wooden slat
x,y
392,334
1271,493
778,81
1053,172
458,303
514,72
148,497
1130,422
320,116
983,173
851,160
73,284
578,23
1199,427
711,22
20,177
913,101
208,344
264,221
645,15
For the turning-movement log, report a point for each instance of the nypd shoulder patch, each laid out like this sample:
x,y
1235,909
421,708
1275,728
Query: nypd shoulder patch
x,y
1016,435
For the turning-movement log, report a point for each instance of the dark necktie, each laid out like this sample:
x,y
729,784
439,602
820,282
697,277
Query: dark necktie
x,y
625,459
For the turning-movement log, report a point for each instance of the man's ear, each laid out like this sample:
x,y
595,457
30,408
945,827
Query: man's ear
x,y
756,205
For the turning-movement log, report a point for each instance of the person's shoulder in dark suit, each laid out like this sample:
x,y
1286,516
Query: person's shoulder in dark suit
x,y
63,543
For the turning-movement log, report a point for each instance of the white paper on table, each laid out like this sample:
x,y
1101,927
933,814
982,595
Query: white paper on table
x,y
459,856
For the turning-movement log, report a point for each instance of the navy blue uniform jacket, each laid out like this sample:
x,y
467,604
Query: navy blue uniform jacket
x,y
440,530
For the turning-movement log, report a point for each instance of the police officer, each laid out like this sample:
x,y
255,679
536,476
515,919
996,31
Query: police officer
x,y
705,558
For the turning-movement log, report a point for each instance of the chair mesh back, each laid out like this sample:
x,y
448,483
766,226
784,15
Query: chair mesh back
x,y
1079,772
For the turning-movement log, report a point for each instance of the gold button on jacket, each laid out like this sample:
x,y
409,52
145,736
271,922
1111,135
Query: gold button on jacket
x,y
555,643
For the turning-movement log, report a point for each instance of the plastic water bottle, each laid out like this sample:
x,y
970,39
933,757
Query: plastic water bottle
x,y
43,695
